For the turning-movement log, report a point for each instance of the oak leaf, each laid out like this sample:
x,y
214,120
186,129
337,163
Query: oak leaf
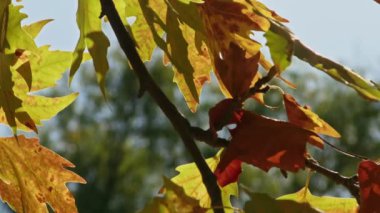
x,y
303,117
32,176
369,182
173,199
91,38
190,179
27,68
265,143
325,204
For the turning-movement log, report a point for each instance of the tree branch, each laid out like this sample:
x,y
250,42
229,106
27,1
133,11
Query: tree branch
x,y
351,183
180,124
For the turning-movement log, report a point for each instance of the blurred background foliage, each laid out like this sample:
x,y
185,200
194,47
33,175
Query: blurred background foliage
x,y
124,145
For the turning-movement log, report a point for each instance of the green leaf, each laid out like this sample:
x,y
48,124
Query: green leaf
x,y
281,50
350,78
326,204
91,38
190,179
35,28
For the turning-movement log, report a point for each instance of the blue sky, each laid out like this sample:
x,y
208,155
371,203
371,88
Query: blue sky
x,y
344,30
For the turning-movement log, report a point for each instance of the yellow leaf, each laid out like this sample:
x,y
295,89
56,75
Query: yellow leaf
x,y
35,28
32,176
190,179
325,204
145,29
192,63
173,199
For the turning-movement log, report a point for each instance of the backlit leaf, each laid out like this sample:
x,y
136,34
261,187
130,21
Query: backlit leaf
x,y
324,204
369,182
32,176
190,179
307,119
254,142
280,49
91,38
260,203
26,70
147,29
173,199
35,28
192,64
348,77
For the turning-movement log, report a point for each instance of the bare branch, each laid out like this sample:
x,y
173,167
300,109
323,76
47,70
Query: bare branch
x,y
351,183
180,124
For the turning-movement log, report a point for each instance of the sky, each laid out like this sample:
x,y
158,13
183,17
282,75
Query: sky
x,y
344,30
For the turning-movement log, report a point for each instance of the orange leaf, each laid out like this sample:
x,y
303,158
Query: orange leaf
x,y
32,176
307,119
369,182
266,143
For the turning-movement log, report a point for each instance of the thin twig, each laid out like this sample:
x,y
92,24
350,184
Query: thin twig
x,y
351,183
180,124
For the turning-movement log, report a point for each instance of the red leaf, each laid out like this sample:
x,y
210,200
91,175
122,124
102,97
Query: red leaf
x,y
230,174
236,69
265,143
369,182
307,119
228,111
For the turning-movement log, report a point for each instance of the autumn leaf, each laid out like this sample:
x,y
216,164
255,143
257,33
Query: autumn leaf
x,y
35,28
192,64
91,38
303,117
173,199
227,111
22,110
281,50
325,204
32,176
369,183
26,70
143,30
260,203
236,70
253,142
190,179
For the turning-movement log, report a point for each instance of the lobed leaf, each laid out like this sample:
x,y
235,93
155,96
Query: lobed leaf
x,y
280,49
324,204
190,179
173,199
307,119
32,176
253,142
260,202
91,38
35,28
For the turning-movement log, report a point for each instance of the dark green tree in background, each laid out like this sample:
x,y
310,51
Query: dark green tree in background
x,y
123,150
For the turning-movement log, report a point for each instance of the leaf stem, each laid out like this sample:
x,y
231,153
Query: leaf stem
x,y
180,123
